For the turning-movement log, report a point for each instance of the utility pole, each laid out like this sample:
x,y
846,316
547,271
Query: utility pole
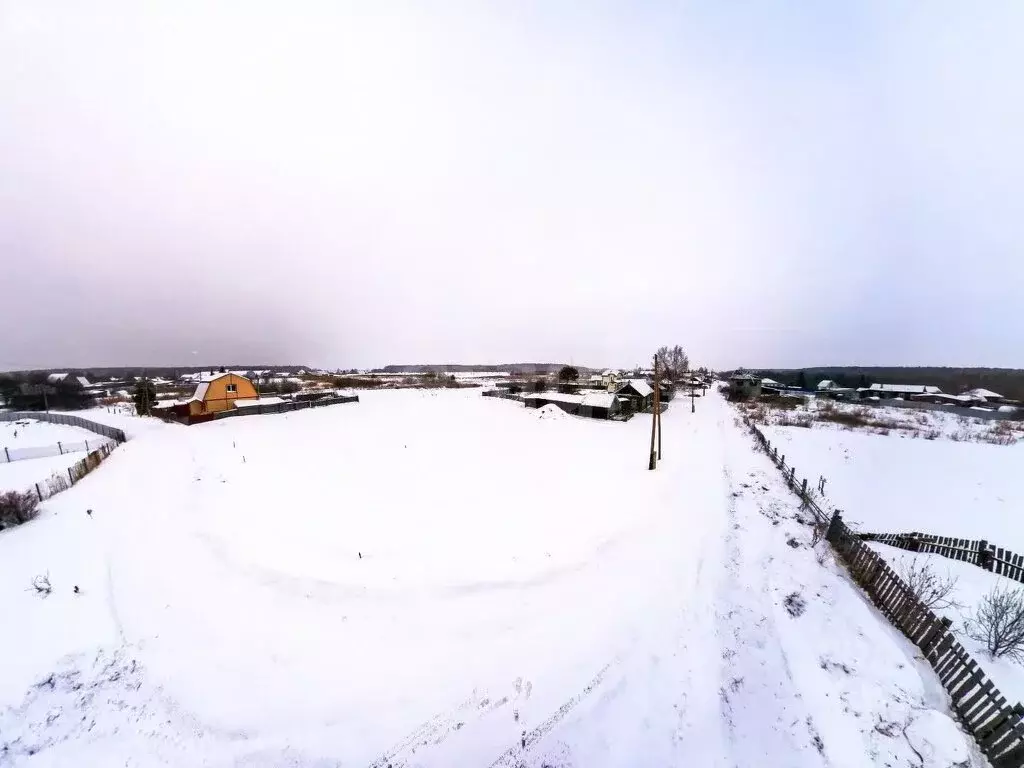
x,y
653,463
657,407
692,394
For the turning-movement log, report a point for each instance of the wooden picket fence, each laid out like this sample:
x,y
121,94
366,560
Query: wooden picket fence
x,y
997,727
974,551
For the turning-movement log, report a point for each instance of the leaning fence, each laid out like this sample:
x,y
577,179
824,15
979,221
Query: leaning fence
x,y
997,727
68,420
974,551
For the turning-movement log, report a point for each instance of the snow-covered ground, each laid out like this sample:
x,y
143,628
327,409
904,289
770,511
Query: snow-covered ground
x,y
23,475
972,583
26,433
433,578
885,483
123,417
911,423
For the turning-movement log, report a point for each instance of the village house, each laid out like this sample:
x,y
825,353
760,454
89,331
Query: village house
x,y
830,389
893,391
638,392
216,392
743,386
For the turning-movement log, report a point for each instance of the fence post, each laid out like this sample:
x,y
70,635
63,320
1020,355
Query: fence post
x,y
60,448
38,492
71,477
792,475
984,556
804,491
86,446
834,526
7,452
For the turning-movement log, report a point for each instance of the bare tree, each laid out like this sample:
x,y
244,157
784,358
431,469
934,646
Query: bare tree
x,y
998,623
674,361
933,590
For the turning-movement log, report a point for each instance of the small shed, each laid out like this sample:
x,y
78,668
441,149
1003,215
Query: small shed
x,y
594,405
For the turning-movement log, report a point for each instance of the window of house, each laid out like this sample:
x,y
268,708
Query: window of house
x,y
232,387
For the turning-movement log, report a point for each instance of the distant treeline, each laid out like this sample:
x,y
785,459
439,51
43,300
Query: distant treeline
x,y
168,371
459,368
1009,382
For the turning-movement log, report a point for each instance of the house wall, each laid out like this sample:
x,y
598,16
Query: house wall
x,y
219,399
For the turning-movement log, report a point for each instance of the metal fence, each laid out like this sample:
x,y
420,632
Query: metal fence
x,y
67,419
997,728
61,481
39,451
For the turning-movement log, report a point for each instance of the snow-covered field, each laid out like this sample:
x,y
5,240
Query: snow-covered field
x,y
26,433
433,578
885,483
23,475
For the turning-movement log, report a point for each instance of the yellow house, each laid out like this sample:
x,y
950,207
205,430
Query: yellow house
x,y
219,393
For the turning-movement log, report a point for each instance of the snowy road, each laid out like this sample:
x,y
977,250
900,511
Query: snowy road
x,y
455,582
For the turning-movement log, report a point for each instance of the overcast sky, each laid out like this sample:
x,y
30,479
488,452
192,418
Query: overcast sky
x,y
353,184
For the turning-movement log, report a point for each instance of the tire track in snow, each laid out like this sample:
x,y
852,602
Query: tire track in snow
x,y
757,684
530,739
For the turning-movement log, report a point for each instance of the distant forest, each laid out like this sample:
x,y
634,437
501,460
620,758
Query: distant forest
x,y
1009,382
122,373
459,368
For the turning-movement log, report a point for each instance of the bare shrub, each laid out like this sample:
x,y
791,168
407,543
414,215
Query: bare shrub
x,y
817,533
998,623
17,508
802,419
41,584
932,589
782,403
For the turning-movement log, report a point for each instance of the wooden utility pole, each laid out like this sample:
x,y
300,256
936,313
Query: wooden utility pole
x,y
657,407
653,463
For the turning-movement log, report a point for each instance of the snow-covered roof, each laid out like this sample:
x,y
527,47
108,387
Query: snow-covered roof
x,y
598,399
770,383
826,384
593,399
555,397
985,393
56,378
83,381
642,387
595,377
948,398
251,402
904,389
200,393
165,404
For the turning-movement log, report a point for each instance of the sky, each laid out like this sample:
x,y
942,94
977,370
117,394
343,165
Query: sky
x,y
352,184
